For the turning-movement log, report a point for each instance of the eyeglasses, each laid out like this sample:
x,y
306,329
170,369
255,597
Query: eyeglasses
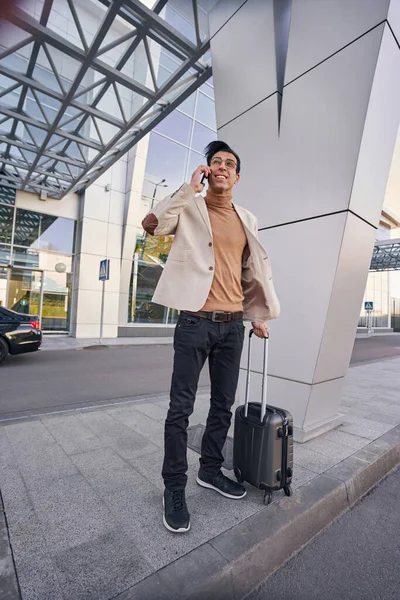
x,y
229,163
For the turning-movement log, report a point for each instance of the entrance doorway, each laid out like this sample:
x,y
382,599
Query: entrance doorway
x,y
41,293
25,291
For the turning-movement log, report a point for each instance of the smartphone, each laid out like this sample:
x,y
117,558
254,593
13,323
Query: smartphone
x,y
203,178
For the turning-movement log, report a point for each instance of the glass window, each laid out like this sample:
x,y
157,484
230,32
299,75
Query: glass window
x,y
208,89
195,159
141,308
168,61
162,76
202,136
56,301
180,23
3,285
154,249
46,232
25,257
187,105
205,111
176,126
165,160
5,254
6,223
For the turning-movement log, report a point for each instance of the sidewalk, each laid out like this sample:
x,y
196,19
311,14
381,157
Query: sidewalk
x,y
70,343
82,501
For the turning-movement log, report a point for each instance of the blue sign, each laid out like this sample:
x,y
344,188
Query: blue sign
x,y
104,271
368,306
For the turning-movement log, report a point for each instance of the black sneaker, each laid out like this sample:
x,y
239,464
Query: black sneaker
x,y
176,516
221,484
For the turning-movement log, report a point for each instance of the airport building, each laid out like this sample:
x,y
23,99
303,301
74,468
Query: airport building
x,y
52,242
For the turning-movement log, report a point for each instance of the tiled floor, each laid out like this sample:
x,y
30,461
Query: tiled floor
x,y
82,492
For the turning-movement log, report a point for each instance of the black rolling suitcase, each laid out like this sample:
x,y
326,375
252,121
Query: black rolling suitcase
x,y
263,441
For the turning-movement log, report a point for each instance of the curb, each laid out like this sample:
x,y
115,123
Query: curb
x,y
231,565
9,589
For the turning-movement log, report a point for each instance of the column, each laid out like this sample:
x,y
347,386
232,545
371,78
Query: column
x,y
308,94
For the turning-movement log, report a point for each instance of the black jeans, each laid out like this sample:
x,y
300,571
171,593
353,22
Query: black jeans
x,y
196,339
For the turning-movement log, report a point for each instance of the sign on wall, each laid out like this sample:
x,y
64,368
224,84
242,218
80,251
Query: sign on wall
x,y
104,271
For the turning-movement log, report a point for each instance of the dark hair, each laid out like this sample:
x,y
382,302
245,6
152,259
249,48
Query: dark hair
x,y
219,146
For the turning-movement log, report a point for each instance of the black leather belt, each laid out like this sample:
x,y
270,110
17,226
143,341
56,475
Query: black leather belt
x,y
218,316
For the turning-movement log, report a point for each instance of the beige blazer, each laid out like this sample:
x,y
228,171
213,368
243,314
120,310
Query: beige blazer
x,y
188,273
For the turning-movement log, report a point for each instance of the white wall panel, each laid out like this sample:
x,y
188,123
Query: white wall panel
x,y
111,305
223,11
347,294
304,258
96,203
253,136
94,237
254,64
324,109
333,152
380,132
114,241
68,207
89,307
118,176
321,28
117,208
394,17
89,272
324,402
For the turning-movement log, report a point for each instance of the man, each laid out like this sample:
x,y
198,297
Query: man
x,y
217,273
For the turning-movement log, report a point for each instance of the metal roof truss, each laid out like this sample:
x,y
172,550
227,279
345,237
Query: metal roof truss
x,y
52,135
386,256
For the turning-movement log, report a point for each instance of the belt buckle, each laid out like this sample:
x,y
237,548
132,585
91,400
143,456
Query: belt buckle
x,y
214,316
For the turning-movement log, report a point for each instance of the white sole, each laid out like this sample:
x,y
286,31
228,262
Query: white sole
x,y
212,487
181,530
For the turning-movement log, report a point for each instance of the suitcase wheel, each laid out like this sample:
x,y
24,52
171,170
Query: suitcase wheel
x,y
267,497
238,475
288,490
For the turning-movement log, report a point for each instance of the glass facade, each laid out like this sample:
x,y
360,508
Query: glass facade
x,y
36,263
175,150
378,292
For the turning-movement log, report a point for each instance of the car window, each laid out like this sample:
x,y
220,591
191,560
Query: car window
x,y
6,315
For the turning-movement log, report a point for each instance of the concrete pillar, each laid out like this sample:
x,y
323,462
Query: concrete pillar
x,y
309,96
100,229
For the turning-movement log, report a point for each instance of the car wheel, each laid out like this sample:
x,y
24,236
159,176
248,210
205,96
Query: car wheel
x,y
3,350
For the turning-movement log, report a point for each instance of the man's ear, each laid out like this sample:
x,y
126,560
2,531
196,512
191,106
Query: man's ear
x,y
237,178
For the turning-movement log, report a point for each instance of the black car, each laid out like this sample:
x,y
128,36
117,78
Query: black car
x,y
18,333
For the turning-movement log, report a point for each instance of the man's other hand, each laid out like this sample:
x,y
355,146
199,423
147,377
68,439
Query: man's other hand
x,y
197,177
260,329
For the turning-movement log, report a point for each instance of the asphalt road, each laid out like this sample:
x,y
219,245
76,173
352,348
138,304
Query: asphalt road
x,y
375,348
62,379
356,558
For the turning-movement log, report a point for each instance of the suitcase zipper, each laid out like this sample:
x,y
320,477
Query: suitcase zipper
x,y
284,447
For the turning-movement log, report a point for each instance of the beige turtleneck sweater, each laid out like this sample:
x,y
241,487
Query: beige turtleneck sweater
x,y
229,241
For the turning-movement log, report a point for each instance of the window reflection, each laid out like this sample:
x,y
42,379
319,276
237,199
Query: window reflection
x,y
202,136
176,126
183,24
205,111
6,223
195,159
46,232
141,309
5,254
165,160
3,286
188,105
154,249
7,195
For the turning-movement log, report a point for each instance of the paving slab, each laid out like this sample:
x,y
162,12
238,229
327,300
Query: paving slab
x,y
82,500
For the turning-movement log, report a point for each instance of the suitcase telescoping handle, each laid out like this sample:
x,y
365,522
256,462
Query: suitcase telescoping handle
x,y
264,378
